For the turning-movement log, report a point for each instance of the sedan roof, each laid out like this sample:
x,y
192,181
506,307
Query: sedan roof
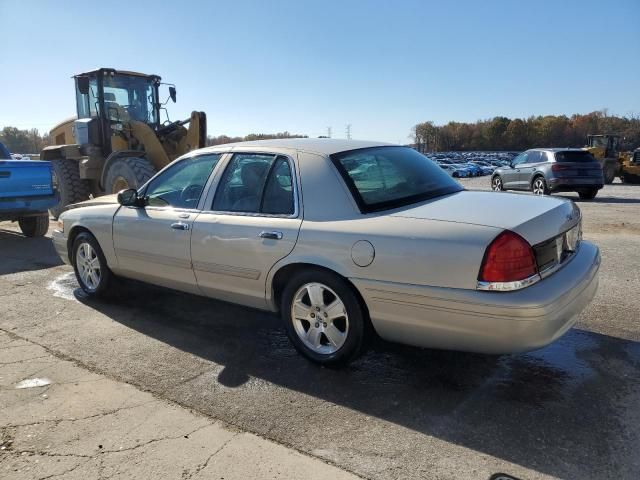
x,y
323,146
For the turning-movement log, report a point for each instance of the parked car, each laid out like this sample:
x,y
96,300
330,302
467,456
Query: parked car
x,y
454,171
547,170
475,171
295,226
26,193
485,168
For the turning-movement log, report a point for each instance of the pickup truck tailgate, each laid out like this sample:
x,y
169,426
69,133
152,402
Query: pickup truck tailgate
x,y
25,178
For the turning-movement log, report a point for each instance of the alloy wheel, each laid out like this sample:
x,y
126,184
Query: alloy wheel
x,y
88,265
319,318
497,184
538,187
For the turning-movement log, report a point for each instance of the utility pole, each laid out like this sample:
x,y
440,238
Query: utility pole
x,y
349,131
328,132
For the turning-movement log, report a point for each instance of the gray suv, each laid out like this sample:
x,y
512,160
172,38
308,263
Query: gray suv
x,y
547,170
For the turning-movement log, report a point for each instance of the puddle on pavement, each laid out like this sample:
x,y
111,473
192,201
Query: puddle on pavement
x,y
66,286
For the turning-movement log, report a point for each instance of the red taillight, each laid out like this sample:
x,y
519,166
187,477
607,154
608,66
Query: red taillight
x,y
556,167
509,258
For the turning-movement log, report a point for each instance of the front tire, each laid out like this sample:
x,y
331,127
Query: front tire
x,y
90,266
71,187
539,186
496,184
35,226
323,317
128,172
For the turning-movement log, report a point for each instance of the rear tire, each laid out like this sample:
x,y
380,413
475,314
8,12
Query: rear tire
x,y
496,184
539,186
35,226
128,172
588,194
90,266
71,187
308,319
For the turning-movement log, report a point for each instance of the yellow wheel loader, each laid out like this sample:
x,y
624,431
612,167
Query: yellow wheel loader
x,y
117,140
606,148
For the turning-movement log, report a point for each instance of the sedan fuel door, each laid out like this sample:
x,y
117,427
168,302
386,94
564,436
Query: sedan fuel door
x,y
253,221
153,243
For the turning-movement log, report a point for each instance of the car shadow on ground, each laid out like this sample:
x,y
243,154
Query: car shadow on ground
x,y
549,410
19,253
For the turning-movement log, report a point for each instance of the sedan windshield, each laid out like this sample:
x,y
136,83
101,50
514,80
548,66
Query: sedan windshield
x,y
382,178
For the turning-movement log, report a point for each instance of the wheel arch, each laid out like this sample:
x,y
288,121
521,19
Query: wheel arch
x,y
71,238
279,277
537,174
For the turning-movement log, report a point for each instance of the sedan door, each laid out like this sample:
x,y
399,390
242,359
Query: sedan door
x,y
253,221
510,175
153,243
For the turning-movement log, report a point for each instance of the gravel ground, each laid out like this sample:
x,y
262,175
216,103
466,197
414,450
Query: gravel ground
x,y
571,410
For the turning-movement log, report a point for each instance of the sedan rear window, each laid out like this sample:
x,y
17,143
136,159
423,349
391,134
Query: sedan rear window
x,y
382,178
574,156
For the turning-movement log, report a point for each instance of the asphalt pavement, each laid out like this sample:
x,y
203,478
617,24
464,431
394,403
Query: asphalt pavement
x,y
570,410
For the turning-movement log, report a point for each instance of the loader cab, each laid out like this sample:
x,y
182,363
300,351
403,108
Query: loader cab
x,y
609,145
108,100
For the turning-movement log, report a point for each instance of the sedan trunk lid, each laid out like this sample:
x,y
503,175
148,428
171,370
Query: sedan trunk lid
x,y
536,219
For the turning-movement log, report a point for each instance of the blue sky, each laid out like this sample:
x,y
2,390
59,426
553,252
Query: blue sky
x,y
381,66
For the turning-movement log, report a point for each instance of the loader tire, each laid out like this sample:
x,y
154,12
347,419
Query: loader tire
x,y
630,178
609,173
71,187
128,172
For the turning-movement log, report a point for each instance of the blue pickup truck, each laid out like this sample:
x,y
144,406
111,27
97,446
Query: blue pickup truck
x,y
26,193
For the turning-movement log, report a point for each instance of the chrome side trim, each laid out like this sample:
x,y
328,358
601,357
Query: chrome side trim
x,y
508,286
247,273
153,258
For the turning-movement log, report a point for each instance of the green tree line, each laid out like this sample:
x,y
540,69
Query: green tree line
x,y
31,141
502,133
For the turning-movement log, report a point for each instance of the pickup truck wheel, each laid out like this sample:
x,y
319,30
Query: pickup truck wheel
x,y
323,317
71,187
128,172
90,266
35,226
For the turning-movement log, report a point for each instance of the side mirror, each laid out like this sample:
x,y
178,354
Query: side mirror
x,y
129,198
172,93
83,85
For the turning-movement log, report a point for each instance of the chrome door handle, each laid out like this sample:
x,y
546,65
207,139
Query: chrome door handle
x,y
180,226
271,235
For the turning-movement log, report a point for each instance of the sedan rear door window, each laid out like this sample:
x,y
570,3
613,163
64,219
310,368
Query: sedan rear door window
x,y
256,183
